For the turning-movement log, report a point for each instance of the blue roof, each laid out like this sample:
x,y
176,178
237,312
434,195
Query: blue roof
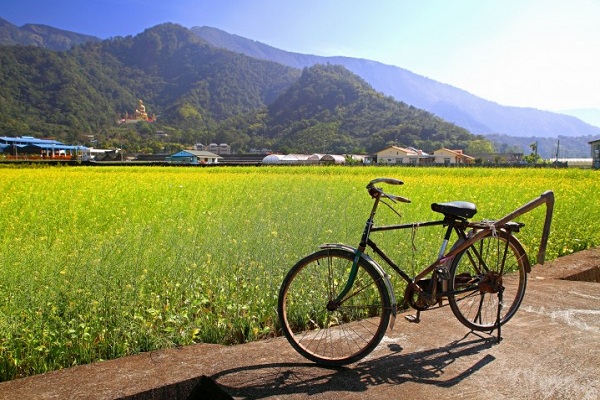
x,y
195,153
27,140
43,144
59,146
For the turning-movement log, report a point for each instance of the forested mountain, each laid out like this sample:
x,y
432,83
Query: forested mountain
x,y
452,104
41,36
191,85
550,148
201,93
331,108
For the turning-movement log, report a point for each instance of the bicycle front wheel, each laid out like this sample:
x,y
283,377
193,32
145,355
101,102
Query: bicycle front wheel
x,y
333,334
489,271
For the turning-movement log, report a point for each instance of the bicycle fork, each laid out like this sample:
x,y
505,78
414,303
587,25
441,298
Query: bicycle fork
x,y
335,303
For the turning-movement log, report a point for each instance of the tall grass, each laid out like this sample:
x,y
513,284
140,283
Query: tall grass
x,y
98,263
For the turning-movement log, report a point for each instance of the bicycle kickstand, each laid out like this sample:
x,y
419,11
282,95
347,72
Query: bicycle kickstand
x,y
500,292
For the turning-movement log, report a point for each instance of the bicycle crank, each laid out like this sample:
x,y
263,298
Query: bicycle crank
x,y
421,300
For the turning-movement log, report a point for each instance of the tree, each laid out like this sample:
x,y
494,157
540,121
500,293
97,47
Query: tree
x,y
534,157
479,146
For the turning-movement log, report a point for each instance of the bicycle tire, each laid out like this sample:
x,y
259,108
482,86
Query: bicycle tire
x,y
338,337
499,257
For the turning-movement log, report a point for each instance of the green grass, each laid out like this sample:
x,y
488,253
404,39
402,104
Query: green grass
x,y
98,263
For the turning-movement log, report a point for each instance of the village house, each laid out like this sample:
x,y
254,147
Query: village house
x,y
446,156
396,155
403,156
219,149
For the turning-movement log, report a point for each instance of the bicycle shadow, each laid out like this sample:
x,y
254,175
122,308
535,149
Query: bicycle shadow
x,y
424,367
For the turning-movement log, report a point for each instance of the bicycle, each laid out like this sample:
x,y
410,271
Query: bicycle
x,y
336,304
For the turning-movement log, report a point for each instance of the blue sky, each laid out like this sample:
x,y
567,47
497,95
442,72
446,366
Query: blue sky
x,y
528,53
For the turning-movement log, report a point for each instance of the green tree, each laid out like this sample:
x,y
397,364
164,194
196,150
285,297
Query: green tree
x,y
534,157
479,146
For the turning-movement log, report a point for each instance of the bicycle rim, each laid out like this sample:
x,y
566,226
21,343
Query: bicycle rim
x,y
343,335
492,258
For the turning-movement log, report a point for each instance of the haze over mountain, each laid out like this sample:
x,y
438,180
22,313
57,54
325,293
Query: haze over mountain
x,y
588,115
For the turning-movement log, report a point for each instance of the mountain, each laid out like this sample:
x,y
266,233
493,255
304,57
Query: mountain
x,y
450,103
190,84
205,94
41,36
547,148
331,109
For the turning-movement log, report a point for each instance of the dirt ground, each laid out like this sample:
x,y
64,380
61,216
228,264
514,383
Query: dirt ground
x,y
549,351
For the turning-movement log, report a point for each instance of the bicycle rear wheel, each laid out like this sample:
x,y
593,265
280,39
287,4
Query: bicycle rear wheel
x,y
333,335
491,269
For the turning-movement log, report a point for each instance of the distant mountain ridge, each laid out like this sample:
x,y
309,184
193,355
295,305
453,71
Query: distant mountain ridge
x,y
41,36
478,115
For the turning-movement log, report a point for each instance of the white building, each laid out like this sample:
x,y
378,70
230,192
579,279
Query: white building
x,y
214,148
445,156
403,156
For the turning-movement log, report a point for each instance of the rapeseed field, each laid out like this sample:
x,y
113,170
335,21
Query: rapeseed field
x,y
102,262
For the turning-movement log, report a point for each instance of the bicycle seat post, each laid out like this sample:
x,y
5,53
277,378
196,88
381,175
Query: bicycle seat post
x,y
446,238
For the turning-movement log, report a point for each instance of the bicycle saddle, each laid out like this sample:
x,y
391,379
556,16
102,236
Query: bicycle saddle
x,y
458,209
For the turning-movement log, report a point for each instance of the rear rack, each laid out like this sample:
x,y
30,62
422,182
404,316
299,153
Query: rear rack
x,y
507,222
511,226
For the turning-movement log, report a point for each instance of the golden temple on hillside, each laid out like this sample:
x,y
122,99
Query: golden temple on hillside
x,y
139,115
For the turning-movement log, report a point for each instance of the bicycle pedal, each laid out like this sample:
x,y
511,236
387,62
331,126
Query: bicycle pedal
x,y
415,319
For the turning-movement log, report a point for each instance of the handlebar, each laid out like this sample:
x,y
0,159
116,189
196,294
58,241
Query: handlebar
x,y
378,192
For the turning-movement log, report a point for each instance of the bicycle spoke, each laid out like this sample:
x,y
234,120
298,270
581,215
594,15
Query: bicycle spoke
x,y
359,290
